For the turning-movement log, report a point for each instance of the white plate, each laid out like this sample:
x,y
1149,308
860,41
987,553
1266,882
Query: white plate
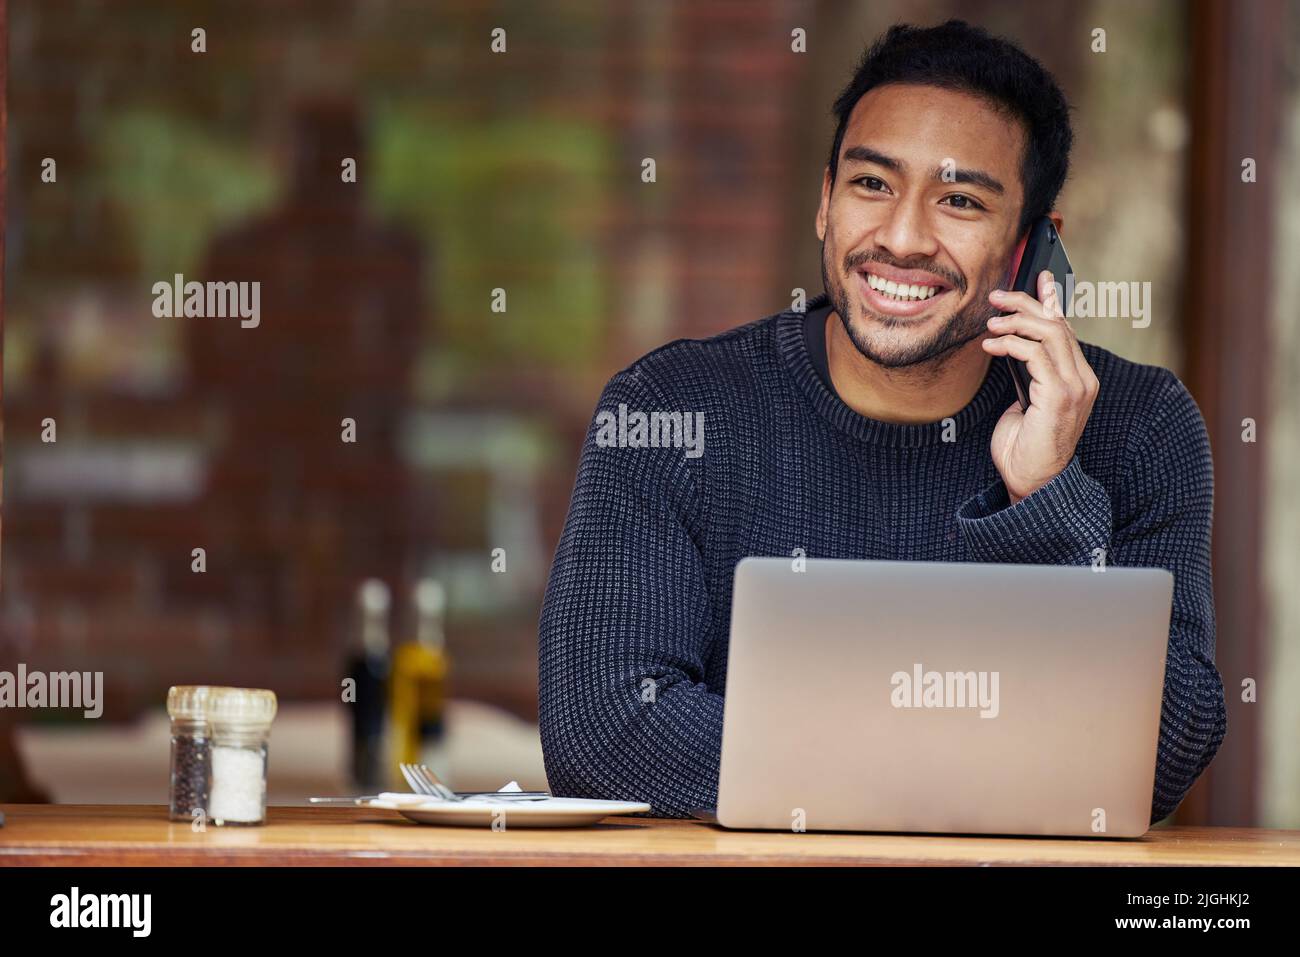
x,y
548,812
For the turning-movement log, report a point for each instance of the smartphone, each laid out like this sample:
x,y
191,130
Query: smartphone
x,y
1038,249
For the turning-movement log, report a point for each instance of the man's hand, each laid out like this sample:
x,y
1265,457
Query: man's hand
x,y
1032,448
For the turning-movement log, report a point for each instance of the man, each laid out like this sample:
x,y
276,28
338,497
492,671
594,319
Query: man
x,y
882,423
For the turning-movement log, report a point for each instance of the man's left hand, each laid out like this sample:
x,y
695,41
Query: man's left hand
x,y
1031,448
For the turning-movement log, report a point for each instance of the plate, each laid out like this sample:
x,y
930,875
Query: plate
x,y
548,812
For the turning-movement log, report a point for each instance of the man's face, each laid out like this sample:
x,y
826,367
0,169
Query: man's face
x,y
894,216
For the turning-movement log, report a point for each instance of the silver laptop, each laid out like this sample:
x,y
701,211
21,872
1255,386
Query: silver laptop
x,y
951,698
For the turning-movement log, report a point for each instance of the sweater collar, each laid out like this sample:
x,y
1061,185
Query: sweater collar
x,y
994,395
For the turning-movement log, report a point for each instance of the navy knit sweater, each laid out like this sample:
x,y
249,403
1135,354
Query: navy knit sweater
x,y
641,583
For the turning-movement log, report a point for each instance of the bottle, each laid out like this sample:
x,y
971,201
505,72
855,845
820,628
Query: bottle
x,y
430,615
368,669
417,697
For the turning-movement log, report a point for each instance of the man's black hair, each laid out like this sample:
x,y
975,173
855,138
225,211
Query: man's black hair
x,y
958,56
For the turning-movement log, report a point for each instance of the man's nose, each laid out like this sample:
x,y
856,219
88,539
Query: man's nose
x,y
907,231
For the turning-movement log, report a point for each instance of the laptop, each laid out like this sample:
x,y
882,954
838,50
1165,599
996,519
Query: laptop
x,y
954,698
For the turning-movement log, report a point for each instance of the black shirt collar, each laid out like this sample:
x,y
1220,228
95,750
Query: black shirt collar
x,y
795,342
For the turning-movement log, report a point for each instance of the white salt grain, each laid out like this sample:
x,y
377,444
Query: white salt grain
x,y
238,786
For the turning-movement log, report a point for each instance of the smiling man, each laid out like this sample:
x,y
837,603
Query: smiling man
x,y
879,423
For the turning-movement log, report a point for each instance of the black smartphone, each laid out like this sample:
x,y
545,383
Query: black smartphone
x,y
1039,249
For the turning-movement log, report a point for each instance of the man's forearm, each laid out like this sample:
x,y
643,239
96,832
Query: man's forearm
x,y
664,751
1193,722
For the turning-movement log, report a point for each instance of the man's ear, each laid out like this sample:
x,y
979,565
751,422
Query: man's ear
x,y
819,224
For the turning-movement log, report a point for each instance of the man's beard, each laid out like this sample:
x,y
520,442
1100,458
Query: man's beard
x,y
967,323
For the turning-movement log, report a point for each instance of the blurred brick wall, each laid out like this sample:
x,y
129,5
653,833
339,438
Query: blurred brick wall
x,y
707,90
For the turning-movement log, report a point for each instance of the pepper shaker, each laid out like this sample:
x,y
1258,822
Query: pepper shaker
x,y
191,764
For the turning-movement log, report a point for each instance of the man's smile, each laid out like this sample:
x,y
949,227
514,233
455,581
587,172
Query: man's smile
x,y
902,293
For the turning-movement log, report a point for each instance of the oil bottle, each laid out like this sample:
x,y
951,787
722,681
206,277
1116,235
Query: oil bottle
x,y
418,696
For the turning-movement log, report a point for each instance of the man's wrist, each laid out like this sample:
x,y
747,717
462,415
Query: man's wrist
x,y
1013,498
1061,523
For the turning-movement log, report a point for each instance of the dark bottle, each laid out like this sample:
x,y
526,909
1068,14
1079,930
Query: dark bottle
x,y
368,667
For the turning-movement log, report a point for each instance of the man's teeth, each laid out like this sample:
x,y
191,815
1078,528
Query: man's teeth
x,y
900,291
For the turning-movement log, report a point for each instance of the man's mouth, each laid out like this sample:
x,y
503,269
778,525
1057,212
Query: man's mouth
x,y
899,299
902,292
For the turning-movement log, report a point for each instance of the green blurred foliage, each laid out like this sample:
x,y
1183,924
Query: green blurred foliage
x,y
514,204
177,185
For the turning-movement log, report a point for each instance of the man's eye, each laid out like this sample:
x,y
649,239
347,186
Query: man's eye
x,y
870,182
961,201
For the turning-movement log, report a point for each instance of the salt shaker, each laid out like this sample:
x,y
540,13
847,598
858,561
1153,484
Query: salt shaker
x,y
191,764
241,721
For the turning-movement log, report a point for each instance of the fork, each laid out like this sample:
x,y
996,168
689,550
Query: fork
x,y
423,781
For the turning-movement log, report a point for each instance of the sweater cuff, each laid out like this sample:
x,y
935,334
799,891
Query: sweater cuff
x,y
1061,523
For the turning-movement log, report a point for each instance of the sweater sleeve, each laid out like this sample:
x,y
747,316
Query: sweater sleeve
x,y
626,628
1166,494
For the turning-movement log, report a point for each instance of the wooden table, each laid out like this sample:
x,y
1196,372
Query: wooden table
x,y
142,835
